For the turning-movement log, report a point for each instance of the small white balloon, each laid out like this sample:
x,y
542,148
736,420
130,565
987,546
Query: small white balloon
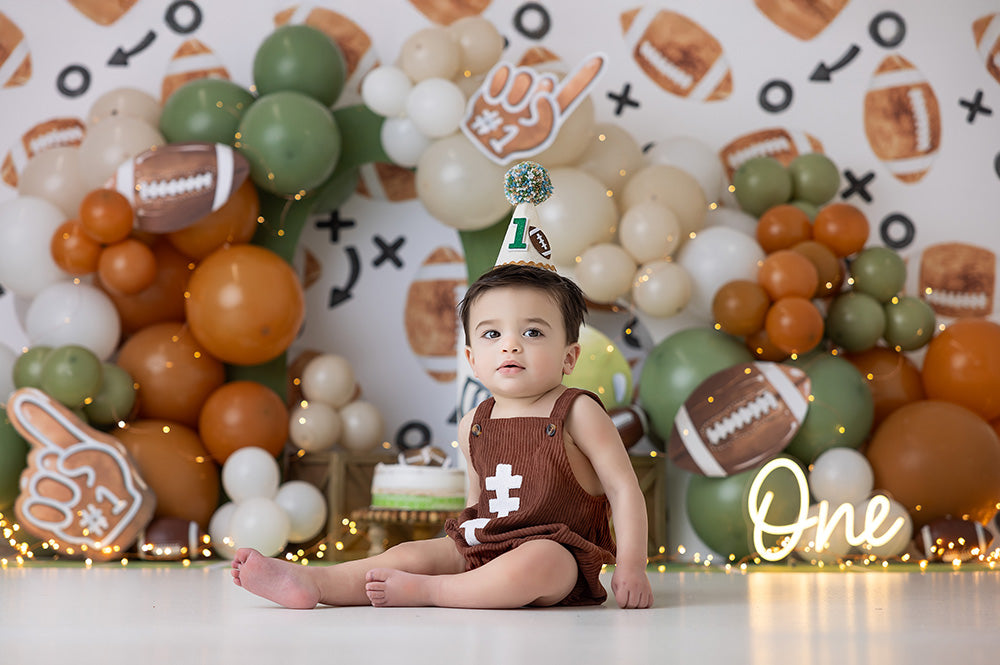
x,y
384,90
314,427
833,548
306,509
125,101
479,43
649,231
841,475
329,378
54,175
363,426
733,218
436,107
661,288
402,141
714,257
250,472
219,531
899,542
604,272
259,523
673,188
693,157
70,313
27,224
430,53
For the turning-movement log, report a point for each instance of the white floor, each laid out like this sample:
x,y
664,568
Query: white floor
x,y
152,615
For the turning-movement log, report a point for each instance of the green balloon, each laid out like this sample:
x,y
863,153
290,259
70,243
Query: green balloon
x,y
601,369
302,59
841,410
71,374
855,321
27,372
207,109
677,365
361,136
810,209
909,323
718,509
815,178
761,183
291,141
13,459
879,272
115,399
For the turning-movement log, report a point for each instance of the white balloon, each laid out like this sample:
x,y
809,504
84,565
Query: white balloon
x,y
384,90
7,359
458,184
605,272
611,156
315,427
578,214
661,288
429,53
436,107
899,542
649,231
715,256
402,141
111,142
479,43
329,378
363,426
259,523
695,158
672,187
71,313
306,509
125,101
27,224
841,475
734,218
54,175
835,546
250,472
219,531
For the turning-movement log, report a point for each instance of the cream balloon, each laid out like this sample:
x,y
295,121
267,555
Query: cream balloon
x,y
834,548
841,475
219,532
363,427
896,545
74,313
577,214
661,288
611,156
673,188
436,107
384,90
260,523
305,506
250,472
572,138
402,141
430,53
315,427
54,175
27,224
604,272
329,378
649,231
693,157
459,185
125,102
469,85
479,43
715,256
734,218
111,142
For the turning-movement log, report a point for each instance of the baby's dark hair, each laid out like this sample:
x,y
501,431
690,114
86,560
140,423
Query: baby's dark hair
x,y
562,290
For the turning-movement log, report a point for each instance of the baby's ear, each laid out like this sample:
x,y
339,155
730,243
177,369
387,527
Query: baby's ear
x,y
572,356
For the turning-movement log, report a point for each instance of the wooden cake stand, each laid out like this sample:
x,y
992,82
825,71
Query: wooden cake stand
x,y
391,526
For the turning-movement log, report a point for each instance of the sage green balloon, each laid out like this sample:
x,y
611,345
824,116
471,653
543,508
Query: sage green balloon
x,y
27,372
291,141
879,272
909,323
114,401
71,374
718,509
761,183
841,410
810,209
302,59
207,109
815,178
855,321
677,365
13,459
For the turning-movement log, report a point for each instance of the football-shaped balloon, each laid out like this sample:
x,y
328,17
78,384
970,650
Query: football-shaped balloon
x,y
51,133
949,539
738,418
631,422
173,186
782,143
172,539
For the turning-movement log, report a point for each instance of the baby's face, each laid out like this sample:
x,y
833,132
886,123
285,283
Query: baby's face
x,y
518,342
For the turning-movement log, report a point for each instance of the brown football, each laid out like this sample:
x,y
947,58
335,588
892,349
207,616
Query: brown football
x,y
51,133
432,325
950,539
986,31
801,18
192,60
957,279
15,58
778,142
172,539
103,12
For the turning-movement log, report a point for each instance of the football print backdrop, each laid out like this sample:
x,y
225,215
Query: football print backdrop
x,y
766,77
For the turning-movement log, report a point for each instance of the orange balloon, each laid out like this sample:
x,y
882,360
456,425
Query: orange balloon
x,y
73,250
240,414
829,268
893,379
172,371
163,300
127,267
786,273
783,226
232,224
762,348
938,459
841,227
175,464
962,365
106,215
245,304
739,307
794,325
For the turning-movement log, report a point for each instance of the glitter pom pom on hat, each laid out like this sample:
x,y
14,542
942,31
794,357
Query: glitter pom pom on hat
x,y
526,185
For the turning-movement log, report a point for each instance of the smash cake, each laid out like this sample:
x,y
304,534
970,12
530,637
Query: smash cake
x,y
423,479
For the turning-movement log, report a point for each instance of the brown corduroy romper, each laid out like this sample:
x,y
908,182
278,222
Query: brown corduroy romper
x,y
527,491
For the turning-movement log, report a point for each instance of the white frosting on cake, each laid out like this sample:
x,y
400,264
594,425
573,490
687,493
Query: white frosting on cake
x,y
418,487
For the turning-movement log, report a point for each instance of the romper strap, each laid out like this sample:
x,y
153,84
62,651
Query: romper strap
x,y
483,412
565,401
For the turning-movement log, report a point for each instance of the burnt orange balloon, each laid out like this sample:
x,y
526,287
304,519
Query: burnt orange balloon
x,y
232,224
841,227
127,267
938,459
241,414
163,300
245,304
739,307
829,268
173,372
175,464
782,227
794,325
962,365
785,273
106,215
73,250
893,378
762,348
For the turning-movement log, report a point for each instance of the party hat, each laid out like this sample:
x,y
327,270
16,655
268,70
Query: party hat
x,y
526,185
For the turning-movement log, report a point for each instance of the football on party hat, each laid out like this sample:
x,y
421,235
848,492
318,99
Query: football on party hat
x,y
526,185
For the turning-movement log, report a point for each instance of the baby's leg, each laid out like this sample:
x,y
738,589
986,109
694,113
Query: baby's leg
x,y
538,572
303,587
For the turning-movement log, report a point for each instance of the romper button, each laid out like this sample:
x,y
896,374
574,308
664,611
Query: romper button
x,y
551,429
477,430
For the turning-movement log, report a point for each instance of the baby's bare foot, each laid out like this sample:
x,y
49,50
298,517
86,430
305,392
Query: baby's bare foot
x,y
387,587
279,581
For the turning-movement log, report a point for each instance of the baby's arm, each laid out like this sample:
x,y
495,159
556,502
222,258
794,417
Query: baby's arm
x,y
597,437
464,427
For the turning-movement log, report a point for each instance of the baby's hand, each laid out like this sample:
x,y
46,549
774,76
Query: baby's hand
x,y
631,588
